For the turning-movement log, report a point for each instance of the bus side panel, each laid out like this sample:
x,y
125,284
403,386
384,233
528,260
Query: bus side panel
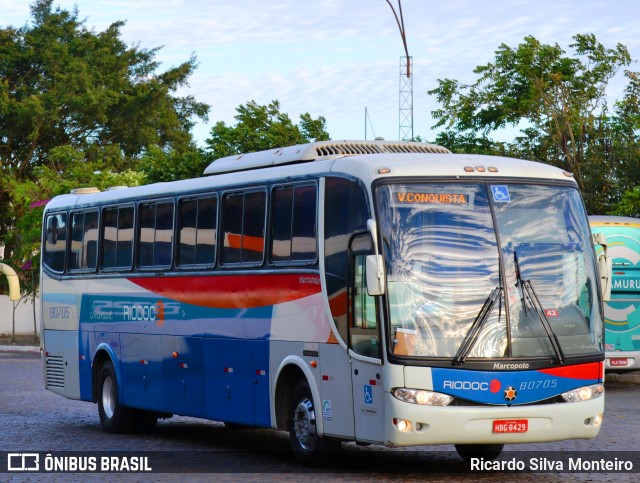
x,y
336,392
184,375
141,357
622,333
623,325
86,390
62,363
237,381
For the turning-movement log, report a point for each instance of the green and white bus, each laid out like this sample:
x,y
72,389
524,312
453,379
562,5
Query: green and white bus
x,y
622,312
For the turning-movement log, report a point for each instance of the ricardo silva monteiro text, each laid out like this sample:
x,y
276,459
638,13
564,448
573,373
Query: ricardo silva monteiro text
x,y
548,464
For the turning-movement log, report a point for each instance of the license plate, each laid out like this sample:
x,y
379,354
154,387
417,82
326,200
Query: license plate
x,y
618,362
510,426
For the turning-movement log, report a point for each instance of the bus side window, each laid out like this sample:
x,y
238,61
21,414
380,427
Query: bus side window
x,y
363,330
345,213
84,241
293,234
56,242
243,225
156,234
117,237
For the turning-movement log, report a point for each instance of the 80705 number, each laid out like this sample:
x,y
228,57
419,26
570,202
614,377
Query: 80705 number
x,y
539,384
59,312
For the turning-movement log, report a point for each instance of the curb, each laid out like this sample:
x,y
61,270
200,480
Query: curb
x,y
631,378
20,348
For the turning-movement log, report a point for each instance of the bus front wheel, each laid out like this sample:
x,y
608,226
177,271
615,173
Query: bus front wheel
x,y
113,417
484,451
308,447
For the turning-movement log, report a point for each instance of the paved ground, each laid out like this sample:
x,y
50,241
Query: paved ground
x,y
32,419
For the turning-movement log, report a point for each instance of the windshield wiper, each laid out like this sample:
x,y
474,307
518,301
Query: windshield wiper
x,y
529,293
472,336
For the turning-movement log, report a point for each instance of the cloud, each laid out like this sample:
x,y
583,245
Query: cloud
x,y
336,57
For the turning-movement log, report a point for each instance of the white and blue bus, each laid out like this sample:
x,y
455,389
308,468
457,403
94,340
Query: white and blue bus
x,y
380,292
622,311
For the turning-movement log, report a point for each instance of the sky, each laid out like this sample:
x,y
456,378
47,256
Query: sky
x,y
341,58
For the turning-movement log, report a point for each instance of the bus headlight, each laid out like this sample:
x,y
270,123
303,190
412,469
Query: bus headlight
x,y
420,396
583,393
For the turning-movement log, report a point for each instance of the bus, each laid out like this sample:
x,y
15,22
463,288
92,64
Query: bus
x,y
622,312
388,293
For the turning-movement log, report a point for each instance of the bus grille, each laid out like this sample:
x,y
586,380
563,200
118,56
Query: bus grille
x,y
465,402
54,370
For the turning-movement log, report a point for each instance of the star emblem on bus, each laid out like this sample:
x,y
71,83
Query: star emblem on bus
x,y
510,393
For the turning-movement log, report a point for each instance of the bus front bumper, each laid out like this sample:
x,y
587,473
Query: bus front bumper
x,y
414,425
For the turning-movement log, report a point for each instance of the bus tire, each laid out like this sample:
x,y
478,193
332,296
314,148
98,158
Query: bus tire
x,y
485,451
308,447
113,417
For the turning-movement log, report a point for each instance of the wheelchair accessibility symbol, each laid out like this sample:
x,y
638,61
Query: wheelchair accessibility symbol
x,y
368,395
501,194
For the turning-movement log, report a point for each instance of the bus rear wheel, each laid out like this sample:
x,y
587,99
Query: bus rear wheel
x,y
485,451
113,417
308,447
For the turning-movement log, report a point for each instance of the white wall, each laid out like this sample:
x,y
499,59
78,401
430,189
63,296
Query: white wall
x,y
24,316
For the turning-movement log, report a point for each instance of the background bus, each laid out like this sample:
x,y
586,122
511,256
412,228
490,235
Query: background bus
x,y
622,312
380,292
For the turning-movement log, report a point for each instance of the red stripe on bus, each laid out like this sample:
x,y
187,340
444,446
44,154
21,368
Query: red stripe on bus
x,y
233,291
592,370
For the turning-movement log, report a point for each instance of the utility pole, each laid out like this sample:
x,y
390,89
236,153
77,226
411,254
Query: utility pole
x,y
405,96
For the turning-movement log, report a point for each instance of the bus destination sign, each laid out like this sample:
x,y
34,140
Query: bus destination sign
x,y
431,198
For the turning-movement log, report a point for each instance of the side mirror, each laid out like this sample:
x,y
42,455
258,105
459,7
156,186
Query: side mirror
x,y
375,275
605,266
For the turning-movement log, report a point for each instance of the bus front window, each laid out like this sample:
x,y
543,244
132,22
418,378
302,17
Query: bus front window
x,y
442,263
452,250
545,244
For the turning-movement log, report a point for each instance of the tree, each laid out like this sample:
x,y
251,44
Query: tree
x,y
172,165
263,127
66,87
78,108
629,205
30,196
558,101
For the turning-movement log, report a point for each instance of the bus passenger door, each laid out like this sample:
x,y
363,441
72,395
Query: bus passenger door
x,y
364,349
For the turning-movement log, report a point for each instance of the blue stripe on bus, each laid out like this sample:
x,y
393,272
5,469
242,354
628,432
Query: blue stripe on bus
x,y
499,388
128,313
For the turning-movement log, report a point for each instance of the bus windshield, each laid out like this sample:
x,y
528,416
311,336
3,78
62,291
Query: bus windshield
x,y
477,270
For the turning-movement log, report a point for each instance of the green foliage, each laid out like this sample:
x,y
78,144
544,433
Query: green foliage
x,y
158,165
30,197
559,103
79,108
263,127
629,205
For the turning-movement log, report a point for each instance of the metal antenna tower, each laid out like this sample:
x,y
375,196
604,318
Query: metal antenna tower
x,y
406,100
405,115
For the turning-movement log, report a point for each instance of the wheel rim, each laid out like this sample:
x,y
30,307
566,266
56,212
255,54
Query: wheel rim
x,y
304,427
108,397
